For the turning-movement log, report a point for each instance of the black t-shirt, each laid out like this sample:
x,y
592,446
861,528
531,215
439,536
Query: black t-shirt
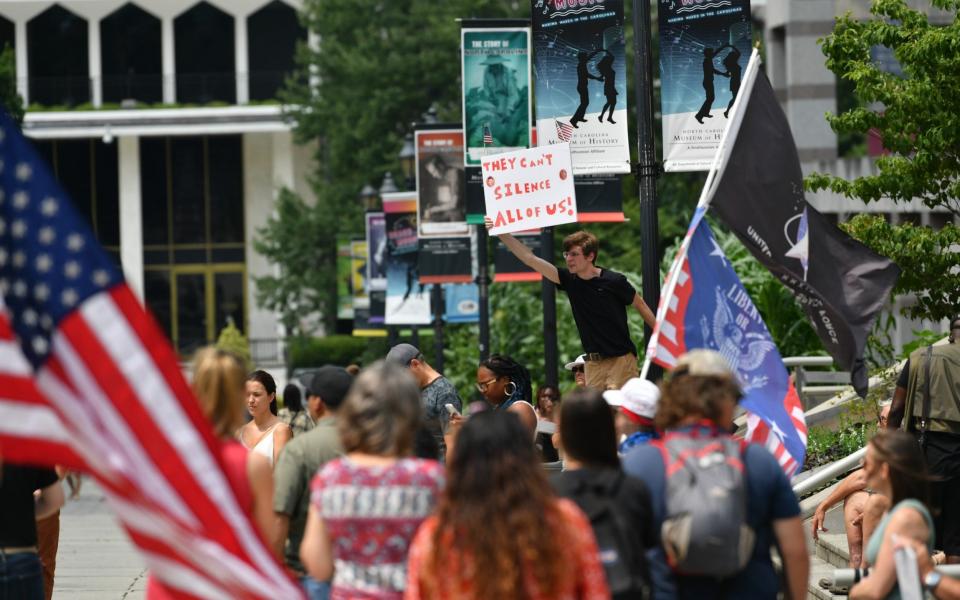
x,y
18,526
599,308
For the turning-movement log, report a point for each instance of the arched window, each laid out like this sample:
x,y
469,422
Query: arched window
x,y
273,33
130,54
204,39
57,58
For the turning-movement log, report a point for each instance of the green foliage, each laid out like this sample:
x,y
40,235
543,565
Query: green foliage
x,y
921,339
339,350
929,263
291,239
915,115
9,98
233,341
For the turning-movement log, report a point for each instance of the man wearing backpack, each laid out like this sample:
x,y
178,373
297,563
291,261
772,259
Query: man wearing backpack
x,y
927,403
720,505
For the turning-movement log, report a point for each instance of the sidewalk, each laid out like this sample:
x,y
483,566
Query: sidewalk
x,y
95,561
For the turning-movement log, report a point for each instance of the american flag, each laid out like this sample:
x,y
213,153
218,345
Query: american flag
x,y
89,381
487,136
706,306
564,130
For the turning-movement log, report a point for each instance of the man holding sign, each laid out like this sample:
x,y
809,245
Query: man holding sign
x,y
534,188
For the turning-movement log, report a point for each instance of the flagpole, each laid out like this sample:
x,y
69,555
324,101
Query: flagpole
x,y
706,195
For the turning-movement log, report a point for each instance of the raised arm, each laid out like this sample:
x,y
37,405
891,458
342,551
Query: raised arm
x,y
648,317
525,255
854,482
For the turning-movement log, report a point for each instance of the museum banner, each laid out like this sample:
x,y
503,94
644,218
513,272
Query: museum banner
x,y
446,260
580,79
507,267
408,300
495,71
376,252
362,325
704,46
441,183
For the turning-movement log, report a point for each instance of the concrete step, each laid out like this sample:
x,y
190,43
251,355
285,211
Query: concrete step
x,y
832,548
819,569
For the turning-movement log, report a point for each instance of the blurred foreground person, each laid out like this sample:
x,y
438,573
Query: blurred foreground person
x,y
617,505
708,536
895,467
366,506
218,383
499,531
292,404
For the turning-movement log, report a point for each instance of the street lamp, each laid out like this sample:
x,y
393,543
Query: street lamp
x,y
389,186
407,158
368,196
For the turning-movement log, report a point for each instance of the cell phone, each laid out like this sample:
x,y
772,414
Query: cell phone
x,y
451,409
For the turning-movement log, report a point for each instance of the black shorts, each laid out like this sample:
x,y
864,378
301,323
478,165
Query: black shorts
x,y
946,514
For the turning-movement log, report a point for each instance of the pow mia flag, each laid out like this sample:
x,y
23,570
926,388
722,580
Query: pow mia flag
x,y
841,284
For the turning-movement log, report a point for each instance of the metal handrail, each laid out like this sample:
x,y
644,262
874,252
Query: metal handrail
x,y
829,473
847,577
807,361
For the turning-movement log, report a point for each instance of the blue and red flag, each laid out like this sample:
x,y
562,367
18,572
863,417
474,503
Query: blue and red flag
x,y
707,307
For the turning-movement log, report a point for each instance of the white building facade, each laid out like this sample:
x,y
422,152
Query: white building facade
x,y
161,120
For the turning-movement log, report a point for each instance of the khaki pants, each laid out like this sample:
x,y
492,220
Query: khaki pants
x,y
610,373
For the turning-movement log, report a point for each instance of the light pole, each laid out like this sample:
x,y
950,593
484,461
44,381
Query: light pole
x,y
389,187
368,197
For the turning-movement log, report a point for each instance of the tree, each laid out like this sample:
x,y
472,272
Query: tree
x,y
11,100
290,239
915,114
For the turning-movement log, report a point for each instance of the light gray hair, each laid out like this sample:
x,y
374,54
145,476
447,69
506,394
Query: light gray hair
x,y
381,413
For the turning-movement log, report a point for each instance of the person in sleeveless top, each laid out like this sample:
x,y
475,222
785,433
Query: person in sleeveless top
x,y
896,468
265,434
218,384
505,385
366,506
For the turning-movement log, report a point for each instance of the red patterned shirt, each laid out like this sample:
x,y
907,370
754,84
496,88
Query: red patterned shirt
x,y
371,515
578,553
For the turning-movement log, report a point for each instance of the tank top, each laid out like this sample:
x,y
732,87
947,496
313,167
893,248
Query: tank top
x,y
876,540
265,446
234,458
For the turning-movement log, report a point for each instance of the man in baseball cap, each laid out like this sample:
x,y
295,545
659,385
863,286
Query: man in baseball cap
x,y
635,404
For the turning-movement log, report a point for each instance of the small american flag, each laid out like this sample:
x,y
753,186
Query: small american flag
x,y
487,136
89,381
564,131
706,306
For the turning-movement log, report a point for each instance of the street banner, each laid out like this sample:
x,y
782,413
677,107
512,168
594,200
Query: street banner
x,y
462,302
441,188
446,260
706,306
344,280
841,284
476,207
529,189
580,79
378,301
376,252
358,271
704,45
496,91
508,268
408,300
599,198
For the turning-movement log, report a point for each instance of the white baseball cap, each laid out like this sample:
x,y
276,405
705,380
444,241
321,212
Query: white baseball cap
x,y
637,398
579,362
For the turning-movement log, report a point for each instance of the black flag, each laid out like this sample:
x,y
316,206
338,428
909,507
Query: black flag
x,y
841,284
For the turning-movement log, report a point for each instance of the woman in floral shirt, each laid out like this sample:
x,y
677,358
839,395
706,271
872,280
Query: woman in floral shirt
x,y
366,507
499,531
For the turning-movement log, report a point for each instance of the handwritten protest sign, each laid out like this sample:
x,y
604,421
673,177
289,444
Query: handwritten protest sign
x,y
530,188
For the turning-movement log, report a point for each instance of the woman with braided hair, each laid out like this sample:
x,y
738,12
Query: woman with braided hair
x,y
505,385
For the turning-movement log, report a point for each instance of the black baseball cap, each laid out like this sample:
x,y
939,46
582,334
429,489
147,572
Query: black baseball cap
x,y
331,384
402,354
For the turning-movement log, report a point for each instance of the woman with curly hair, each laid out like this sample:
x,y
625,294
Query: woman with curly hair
x,y
499,531
505,385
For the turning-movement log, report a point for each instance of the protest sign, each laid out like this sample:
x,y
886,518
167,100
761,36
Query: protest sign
x,y
407,301
441,192
528,189
376,252
580,78
496,90
704,45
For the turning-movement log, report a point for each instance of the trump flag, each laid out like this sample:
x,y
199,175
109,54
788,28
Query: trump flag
x,y
88,381
706,306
